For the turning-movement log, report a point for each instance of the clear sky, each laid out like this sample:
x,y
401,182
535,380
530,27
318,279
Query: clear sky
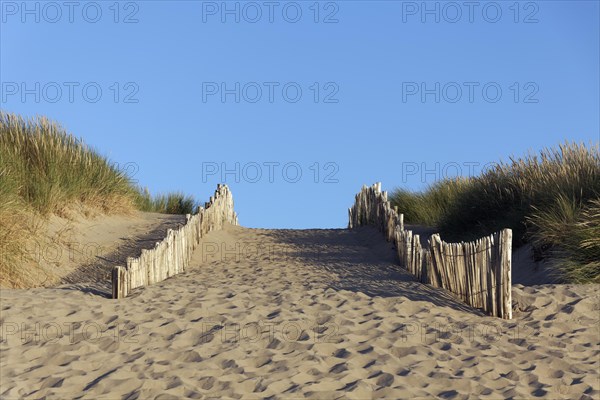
x,y
296,105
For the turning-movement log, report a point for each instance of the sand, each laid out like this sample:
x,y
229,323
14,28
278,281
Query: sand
x,y
82,249
290,314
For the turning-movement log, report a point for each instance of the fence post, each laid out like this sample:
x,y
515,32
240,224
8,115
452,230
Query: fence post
x,y
119,282
505,263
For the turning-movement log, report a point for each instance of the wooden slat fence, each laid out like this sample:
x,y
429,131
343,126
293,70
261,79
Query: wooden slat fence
x,y
172,255
478,272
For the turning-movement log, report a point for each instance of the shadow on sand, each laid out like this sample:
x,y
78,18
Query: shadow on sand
x,y
95,276
363,262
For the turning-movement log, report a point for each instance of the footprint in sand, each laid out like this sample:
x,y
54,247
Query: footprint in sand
x,y
364,349
261,361
207,383
342,353
339,368
385,380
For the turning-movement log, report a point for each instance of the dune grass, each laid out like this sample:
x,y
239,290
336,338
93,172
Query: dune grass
x,y
427,207
549,199
571,231
50,169
44,171
170,203
12,224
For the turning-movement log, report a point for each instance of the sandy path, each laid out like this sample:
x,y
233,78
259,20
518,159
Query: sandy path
x,y
294,314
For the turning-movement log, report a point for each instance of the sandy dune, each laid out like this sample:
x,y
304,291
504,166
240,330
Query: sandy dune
x,y
289,314
83,249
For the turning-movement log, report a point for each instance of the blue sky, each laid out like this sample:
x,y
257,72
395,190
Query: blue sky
x,y
301,103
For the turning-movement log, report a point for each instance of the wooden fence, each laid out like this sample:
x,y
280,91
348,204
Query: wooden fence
x,y
372,208
172,255
478,272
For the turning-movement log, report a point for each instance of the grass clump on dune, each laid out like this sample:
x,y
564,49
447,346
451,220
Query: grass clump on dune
x,y
427,207
45,171
170,203
571,231
549,199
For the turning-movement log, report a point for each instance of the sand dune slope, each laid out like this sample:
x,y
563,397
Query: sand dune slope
x,y
287,314
82,250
